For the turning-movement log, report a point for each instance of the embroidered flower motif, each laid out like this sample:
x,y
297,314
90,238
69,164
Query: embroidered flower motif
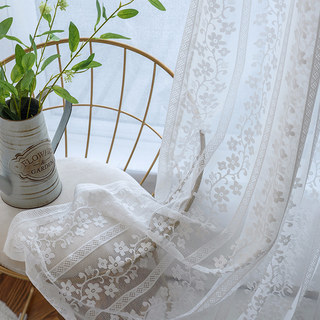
x,y
233,162
83,220
205,68
54,231
164,292
67,288
80,232
278,196
224,51
160,223
213,5
110,290
236,188
270,34
177,272
216,40
221,194
285,240
99,221
220,262
120,248
145,247
249,136
116,265
48,255
280,5
232,143
288,130
227,28
89,271
201,49
93,291
206,98
222,165
102,263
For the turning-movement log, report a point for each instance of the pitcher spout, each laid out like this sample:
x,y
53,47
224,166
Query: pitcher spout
x,y
5,185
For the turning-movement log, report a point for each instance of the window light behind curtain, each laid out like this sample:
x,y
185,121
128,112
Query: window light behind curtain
x,y
157,33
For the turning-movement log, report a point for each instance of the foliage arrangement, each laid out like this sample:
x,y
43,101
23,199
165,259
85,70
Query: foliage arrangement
x,y
17,88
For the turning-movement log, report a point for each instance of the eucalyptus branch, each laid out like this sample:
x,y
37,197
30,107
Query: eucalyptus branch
x,y
81,47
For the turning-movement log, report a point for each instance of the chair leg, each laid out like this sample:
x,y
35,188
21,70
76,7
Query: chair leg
x,y
26,305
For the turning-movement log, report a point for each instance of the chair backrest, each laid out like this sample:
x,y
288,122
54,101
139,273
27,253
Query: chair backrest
x,y
112,119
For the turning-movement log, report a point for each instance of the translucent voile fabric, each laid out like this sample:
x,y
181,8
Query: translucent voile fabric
x,y
233,230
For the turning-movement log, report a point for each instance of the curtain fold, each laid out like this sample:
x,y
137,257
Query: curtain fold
x,y
233,230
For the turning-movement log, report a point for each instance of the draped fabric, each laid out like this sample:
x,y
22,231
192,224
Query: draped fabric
x,y
232,232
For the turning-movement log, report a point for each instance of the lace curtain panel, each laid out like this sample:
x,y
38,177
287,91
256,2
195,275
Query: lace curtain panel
x,y
233,230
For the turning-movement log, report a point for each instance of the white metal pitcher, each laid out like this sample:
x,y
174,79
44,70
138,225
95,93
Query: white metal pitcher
x,y
29,175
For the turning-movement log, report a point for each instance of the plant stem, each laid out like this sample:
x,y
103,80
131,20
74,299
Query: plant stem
x,y
50,28
37,27
81,47
42,53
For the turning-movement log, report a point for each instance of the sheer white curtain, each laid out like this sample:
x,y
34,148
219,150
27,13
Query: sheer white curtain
x,y
233,231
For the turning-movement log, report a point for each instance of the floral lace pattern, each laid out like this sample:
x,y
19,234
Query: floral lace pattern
x,y
232,232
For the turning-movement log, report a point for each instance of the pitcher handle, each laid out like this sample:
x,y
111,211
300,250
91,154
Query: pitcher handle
x,y
62,126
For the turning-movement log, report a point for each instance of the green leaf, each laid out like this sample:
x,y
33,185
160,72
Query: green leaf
x,y
94,64
50,32
99,14
49,60
113,36
5,26
7,114
63,93
12,106
27,80
33,44
157,4
2,7
53,37
1,74
47,17
127,13
14,39
83,64
16,73
19,53
104,14
21,92
33,84
8,87
28,61
74,37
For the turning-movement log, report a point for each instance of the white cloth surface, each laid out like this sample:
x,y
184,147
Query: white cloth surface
x,y
72,171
